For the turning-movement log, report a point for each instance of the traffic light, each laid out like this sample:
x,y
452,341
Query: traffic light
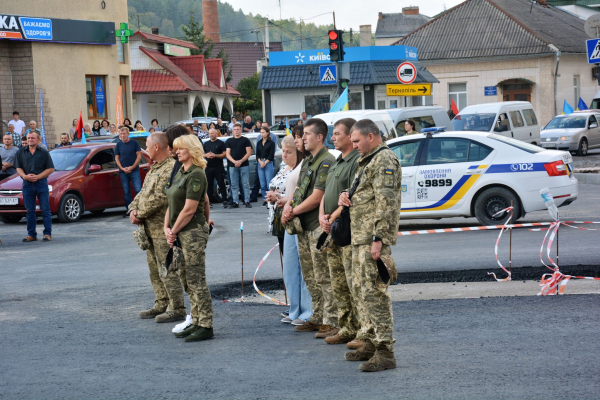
x,y
336,45
343,84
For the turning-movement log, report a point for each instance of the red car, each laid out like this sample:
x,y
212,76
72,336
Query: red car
x,y
85,178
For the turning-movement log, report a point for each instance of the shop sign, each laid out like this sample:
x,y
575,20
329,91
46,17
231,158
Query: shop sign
x,y
177,51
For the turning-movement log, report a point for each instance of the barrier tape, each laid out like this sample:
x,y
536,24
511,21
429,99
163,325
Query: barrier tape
x,y
472,228
254,279
504,227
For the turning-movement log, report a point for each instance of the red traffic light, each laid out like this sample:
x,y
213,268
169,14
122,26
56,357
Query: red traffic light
x,y
333,46
333,35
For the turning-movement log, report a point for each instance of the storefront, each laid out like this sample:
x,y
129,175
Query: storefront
x,y
66,50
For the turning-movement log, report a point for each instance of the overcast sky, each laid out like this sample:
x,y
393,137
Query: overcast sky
x,y
348,13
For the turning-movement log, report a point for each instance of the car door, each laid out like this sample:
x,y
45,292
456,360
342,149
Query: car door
x,y
519,130
593,131
100,185
408,153
445,176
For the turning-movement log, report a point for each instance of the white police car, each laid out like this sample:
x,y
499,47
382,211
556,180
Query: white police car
x,y
478,174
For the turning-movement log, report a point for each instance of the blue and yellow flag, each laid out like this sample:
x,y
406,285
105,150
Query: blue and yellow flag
x,y
582,105
287,127
567,109
341,103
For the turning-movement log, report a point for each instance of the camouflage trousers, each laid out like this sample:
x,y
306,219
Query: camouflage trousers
x,y
375,306
168,293
315,270
193,275
340,269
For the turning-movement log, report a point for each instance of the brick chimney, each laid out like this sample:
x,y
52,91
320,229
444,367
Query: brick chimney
x,y
365,35
380,15
410,10
210,20
154,30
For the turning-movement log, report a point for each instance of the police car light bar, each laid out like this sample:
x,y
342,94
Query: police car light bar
x,y
435,129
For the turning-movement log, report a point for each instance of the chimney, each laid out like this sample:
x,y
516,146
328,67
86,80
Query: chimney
x,y
365,35
410,10
154,30
380,15
210,20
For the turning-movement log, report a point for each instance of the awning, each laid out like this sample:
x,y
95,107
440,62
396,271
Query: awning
x,y
515,81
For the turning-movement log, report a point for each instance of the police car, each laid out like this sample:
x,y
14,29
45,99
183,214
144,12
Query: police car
x,y
478,174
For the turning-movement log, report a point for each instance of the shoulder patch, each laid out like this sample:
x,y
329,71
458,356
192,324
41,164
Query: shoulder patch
x,y
196,184
325,164
389,171
322,178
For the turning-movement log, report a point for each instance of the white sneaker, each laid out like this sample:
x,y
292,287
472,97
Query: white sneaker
x,y
286,320
181,327
297,322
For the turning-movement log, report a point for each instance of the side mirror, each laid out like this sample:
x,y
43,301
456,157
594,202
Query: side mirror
x,y
592,125
94,168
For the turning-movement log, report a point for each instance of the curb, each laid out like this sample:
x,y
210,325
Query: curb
x,y
588,179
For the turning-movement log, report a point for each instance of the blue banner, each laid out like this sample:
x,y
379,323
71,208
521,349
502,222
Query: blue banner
x,y
42,129
100,96
36,28
353,54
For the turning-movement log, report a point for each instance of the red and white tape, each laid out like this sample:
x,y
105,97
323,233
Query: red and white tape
x,y
254,279
472,228
504,227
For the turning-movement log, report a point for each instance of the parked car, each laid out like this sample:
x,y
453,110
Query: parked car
x,y
466,174
576,132
85,178
513,119
423,116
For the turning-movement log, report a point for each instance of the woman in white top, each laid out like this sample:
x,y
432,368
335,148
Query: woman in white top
x,y
105,130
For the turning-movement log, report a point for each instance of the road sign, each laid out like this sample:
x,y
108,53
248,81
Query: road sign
x,y
419,89
490,90
593,51
406,73
328,74
592,26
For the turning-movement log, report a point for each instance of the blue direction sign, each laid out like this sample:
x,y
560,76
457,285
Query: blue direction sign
x,y
490,90
328,74
593,51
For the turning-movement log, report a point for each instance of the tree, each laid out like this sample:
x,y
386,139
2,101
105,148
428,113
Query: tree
x,y
250,96
194,32
225,58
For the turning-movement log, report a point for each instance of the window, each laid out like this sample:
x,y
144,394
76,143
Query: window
x,y
317,104
121,51
530,118
458,93
425,121
105,159
575,91
123,83
381,104
67,159
355,101
451,150
95,89
592,121
517,120
393,103
407,152
478,152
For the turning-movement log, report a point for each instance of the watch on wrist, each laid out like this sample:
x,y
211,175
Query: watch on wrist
x,y
376,239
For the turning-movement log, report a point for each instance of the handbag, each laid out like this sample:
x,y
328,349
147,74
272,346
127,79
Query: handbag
x,y
141,238
341,232
278,228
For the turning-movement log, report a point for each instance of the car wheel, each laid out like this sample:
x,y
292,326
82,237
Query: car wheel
x,y
70,208
10,219
491,201
583,147
97,212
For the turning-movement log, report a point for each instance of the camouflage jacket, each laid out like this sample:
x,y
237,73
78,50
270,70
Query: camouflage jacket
x,y
151,202
375,207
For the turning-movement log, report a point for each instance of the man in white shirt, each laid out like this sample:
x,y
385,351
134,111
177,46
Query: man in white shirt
x,y
17,123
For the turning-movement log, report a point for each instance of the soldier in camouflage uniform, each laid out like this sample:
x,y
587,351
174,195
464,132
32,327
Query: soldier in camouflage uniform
x,y
374,214
340,178
148,208
313,263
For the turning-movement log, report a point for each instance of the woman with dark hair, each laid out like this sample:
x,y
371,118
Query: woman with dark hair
x,y
409,127
298,132
105,129
299,122
127,123
96,128
138,126
154,124
265,155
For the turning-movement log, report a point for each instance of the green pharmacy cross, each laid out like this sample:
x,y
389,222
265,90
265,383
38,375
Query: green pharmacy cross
x,y
124,33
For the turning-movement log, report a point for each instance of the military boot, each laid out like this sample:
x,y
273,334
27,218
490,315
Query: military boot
x,y
170,316
151,312
366,352
383,359
187,331
200,334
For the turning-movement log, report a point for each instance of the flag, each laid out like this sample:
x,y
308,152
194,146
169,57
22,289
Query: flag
x,y
453,106
79,128
341,104
582,105
119,116
567,109
42,120
287,127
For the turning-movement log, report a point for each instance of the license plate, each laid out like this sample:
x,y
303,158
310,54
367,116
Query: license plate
x,y
9,201
549,145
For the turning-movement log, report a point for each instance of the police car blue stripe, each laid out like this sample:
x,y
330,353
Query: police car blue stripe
x,y
517,167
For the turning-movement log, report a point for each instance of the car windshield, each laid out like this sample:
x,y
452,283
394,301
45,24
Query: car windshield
x,y
67,159
530,148
473,122
566,122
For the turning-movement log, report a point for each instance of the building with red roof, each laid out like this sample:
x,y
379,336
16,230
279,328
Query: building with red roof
x,y
167,82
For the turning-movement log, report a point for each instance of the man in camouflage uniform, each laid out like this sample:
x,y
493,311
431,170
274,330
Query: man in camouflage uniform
x,y
313,263
340,178
149,208
375,213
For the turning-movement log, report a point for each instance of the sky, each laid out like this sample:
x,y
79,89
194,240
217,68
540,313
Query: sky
x,y
348,13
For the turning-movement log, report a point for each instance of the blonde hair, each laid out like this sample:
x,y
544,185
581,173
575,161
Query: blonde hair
x,y
288,141
194,146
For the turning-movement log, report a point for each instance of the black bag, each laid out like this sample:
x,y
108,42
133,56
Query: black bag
x,y
278,228
341,232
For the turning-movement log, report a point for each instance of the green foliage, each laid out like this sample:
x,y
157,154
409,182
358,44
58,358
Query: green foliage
x,y
194,32
250,96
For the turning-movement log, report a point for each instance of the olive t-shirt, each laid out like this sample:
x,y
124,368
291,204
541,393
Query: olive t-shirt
x,y
190,184
310,219
340,178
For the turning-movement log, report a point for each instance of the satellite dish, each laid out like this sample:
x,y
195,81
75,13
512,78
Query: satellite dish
x,y
592,26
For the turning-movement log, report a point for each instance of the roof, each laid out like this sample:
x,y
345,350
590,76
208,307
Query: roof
x,y
164,39
398,24
361,73
497,28
243,57
154,80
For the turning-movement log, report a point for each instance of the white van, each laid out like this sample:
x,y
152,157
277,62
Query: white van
x,y
514,119
423,116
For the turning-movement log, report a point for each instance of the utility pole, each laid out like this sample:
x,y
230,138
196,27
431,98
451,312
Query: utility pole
x,y
280,30
350,37
300,33
267,40
334,20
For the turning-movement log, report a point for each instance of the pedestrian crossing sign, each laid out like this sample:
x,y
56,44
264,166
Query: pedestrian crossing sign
x,y
328,74
593,51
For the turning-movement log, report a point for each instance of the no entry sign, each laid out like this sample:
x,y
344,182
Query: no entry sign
x,y
406,73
